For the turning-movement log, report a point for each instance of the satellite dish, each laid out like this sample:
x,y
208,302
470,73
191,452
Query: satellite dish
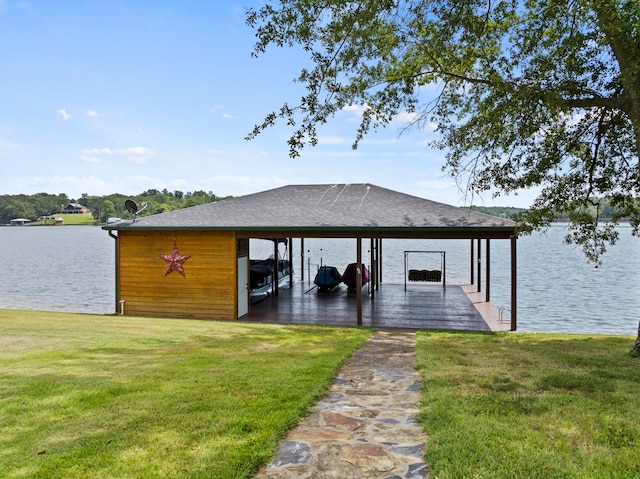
x,y
132,208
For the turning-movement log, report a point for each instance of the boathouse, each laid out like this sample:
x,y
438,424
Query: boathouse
x,y
194,262
20,221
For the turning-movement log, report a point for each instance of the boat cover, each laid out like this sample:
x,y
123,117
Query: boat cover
x,y
350,274
327,277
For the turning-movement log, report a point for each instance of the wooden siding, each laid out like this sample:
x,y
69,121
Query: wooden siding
x,y
207,291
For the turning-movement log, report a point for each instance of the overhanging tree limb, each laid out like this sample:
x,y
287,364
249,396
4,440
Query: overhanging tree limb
x,y
539,94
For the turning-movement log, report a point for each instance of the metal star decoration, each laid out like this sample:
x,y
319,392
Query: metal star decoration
x,y
174,260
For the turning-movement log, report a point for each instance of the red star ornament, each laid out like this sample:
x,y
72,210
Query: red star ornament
x,y
174,260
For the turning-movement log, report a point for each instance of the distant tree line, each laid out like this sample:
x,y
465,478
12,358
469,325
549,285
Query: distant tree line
x,y
30,206
602,209
506,212
102,207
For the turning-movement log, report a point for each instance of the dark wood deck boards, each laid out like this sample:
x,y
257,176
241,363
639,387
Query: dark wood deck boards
x,y
420,307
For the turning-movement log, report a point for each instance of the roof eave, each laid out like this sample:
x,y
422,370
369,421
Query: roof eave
x,y
450,232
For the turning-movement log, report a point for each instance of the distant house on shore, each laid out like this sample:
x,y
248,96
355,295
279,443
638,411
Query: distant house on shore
x,y
74,208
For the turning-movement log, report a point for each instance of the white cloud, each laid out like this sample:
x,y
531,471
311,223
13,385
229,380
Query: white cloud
x,y
354,109
135,154
136,159
98,151
219,108
136,150
92,113
94,155
63,113
405,118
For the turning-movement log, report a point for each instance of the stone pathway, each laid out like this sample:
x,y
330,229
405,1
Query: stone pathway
x,y
365,428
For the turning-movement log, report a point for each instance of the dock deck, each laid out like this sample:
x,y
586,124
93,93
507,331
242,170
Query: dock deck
x,y
455,307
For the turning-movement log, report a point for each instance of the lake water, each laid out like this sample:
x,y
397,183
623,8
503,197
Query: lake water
x,y
72,268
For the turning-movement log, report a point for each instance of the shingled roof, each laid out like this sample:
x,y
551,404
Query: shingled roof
x,y
338,209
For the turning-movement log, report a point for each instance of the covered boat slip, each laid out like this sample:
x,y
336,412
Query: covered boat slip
x,y
422,301
455,307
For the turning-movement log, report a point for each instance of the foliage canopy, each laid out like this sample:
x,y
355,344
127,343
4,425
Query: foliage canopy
x,y
541,94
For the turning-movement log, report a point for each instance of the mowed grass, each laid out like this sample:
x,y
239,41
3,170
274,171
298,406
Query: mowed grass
x,y
530,405
77,219
114,396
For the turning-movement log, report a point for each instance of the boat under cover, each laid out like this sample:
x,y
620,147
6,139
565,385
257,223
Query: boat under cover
x,y
350,275
327,279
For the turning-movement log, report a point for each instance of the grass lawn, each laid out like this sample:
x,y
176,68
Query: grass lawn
x,y
114,397
77,219
530,405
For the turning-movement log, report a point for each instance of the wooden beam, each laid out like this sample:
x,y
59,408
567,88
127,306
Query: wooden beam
x,y
346,232
291,262
302,259
487,270
479,266
380,260
514,285
274,276
359,279
373,268
473,263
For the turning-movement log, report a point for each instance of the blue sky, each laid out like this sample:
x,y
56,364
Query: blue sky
x,y
118,96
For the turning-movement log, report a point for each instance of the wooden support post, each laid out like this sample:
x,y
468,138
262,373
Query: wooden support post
x,y
514,285
359,279
274,276
290,262
443,255
487,270
378,262
117,257
373,268
473,264
479,265
302,259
